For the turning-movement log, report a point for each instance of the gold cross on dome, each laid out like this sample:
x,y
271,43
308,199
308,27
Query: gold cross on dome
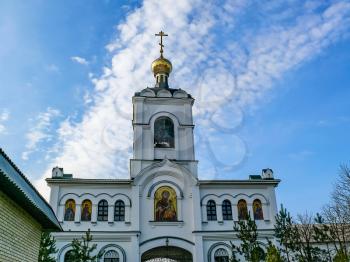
x,y
161,34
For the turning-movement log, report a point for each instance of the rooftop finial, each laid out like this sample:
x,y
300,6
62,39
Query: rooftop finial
x,y
161,34
161,67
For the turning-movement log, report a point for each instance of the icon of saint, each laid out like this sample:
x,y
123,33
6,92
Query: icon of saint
x,y
165,210
69,214
258,213
86,215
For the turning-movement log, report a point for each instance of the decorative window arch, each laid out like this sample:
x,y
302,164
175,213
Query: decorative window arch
x,y
119,210
211,210
164,132
242,210
257,210
86,209
221,255
69,210
111,256
102,210
226,210
165,204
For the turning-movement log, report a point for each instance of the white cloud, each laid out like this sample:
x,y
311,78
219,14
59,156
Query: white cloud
x,y
215,60
79,60
4,116
301,155
52,68
40,132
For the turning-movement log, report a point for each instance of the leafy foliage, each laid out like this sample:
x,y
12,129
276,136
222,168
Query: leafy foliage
x,y
308,239
47,248
249,246
284,233
273,254
341,257
82,250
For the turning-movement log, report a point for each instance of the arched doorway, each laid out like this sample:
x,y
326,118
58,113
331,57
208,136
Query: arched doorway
x,y
167,254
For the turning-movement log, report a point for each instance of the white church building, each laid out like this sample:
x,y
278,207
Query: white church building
x,y
163,212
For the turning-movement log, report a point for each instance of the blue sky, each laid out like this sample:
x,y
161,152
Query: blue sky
x,y
271,81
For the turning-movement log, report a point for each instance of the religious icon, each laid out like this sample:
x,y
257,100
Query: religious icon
x,y
165,204
242,210
257,209
86,210
69,210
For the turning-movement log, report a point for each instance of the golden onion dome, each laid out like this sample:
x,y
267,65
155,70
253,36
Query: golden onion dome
x,y
161,66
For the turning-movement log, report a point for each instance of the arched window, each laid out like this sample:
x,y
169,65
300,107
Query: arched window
x,y
69,210
226,210
102,211
119,211
111,256
257,210
86,208
164,132
242,210
211,210
165,204
221,255
68,256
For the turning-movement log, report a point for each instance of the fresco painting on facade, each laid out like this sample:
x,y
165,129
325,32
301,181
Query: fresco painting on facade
x,y
257,210
165,204
242,210
69,212
86,210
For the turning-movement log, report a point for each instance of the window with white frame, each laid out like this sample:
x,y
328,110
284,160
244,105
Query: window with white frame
x,y
119,211
221,255
111,256
226,210
102,210
68,256
211,210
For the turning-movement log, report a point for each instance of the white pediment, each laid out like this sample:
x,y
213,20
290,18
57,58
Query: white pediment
x,y
164,168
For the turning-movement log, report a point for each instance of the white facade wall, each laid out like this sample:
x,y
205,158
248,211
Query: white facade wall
x,y
150,169
139,232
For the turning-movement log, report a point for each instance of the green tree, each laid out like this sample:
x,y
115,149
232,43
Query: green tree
x,y
321,234
341,257
284,233
83,249
337,214
249,246
307,249
297,239
47,248
273,254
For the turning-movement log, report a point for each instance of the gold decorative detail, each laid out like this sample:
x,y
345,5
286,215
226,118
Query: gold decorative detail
x,y
86,210
161,34
161,65
165,207
69,211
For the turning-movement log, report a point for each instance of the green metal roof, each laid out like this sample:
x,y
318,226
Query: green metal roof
x,y
17,187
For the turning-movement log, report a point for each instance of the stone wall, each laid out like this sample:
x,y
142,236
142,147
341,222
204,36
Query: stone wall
x,y
19,233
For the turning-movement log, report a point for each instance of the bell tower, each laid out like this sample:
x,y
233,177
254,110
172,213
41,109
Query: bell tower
x,y
162,121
